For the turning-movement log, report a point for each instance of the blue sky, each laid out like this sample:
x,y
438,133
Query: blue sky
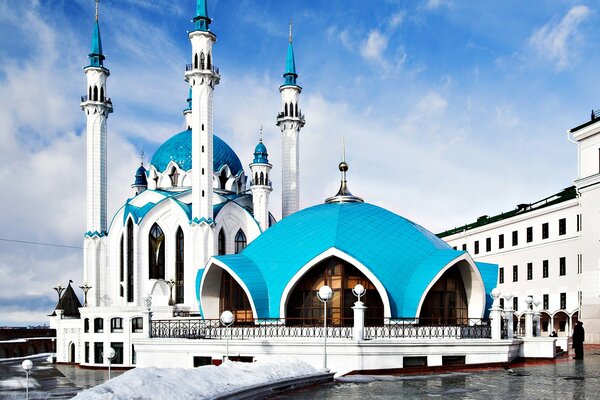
x,y
450,109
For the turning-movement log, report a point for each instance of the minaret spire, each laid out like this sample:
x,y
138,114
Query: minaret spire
x,y
291,25
201,20
343,195
97,1
260,185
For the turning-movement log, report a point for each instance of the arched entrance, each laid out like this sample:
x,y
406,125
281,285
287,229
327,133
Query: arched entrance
x,y
72,352
233,298
304,308
446,302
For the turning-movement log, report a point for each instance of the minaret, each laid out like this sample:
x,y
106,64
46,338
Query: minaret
x,y
290,120
187,113
96,105
202,76
261,186
141,181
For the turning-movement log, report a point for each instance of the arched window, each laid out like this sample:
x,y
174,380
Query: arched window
x,y
208,61
101,94
95,93
174,175
297,110
195,61
156,253
137,325
223,179
291,110
201,60
221,243
262,179
130,260
90,93
266,178
285,110
234,299
121,265
446,301
98,325
116,325
86,325
303,306
240,241
179,278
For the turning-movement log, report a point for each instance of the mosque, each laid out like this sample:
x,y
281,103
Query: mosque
x,y
197,238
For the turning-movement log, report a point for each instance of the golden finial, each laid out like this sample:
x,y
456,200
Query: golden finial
x,y
97,1
291,25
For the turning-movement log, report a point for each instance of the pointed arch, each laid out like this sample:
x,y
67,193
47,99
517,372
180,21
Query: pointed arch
x,y
174,175
208,61
221,244
285,110
223,179
179,266
256,178
95,93
291,109
101,94
297,114
90,98
121,266
130,260
240,241
156,253
196,61
267,178
202,58
262,178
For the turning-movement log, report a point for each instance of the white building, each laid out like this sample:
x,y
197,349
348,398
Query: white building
x,y
549,249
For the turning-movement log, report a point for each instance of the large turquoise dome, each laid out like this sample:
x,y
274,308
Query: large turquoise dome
x,y
179,149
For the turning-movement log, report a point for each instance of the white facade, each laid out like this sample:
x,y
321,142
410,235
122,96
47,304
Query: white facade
x,y
556,257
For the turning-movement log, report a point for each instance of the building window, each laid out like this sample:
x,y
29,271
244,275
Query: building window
x,y
156,253
133,355
501,241
529,271
501,275
118,348
121,261
530,234
116,325
502,303
562,226
86,352
234,299
515,273
86,325
562,266
579,263
130,261
515,238
98,349
179,256
98,325
221,243
453,247
545,230
137,325
579,221
488,244
563,301
174,175
477,247
464,247
545,301
545,269
240,241
515,303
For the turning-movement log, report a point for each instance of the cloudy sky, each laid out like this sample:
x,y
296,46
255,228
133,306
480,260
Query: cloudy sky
x,y
450,109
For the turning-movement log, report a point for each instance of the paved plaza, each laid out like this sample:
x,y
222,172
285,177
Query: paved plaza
x,y
564,379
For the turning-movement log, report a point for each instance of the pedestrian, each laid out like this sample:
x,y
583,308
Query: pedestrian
x,y
578,339
553,334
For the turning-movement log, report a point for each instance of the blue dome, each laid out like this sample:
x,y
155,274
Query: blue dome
x,y
140,177
179,149
402,255
260,154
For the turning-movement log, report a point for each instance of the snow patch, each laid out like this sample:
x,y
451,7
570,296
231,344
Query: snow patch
x,y
196,383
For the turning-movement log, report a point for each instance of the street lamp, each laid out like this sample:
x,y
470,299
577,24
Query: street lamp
x,y
325,294
27,365
109,355
171,283
359,291
59,289
86,288
227,319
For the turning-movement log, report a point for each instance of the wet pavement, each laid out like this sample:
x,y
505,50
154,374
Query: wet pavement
x,y
563,379
47,380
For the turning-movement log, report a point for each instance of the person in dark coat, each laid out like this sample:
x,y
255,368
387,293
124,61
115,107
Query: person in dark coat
x,y
578,338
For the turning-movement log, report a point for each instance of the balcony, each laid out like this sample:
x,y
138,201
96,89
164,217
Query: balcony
x,y
106,101
213,68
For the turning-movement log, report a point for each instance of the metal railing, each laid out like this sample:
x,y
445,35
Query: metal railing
x,y
195,328
464,328
85,98
213,68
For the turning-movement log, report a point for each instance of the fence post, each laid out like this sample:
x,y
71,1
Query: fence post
x,y
359,321
147,324
496,315
528,317
508,316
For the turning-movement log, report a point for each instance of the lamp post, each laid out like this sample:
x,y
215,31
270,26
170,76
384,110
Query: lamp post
x,y
59,289
359,313
359,291
325,294
86,288
227,319
109,355
27,365
171,283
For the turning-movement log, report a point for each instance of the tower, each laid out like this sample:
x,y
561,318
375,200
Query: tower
x,y
290,120
97,106
202,76
260,184
141,181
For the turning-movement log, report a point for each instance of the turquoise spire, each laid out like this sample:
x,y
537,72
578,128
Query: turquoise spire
x,y
201,20
260,151
96,57
290,65
189,100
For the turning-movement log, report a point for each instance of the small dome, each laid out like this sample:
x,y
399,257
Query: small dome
x,y
179,149
260,154
140,177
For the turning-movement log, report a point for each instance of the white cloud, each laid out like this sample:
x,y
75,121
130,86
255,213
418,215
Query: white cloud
x,y
436,4
374,47
557,41
396,19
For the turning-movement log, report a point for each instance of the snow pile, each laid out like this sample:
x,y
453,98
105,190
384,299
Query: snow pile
x,y
196,383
